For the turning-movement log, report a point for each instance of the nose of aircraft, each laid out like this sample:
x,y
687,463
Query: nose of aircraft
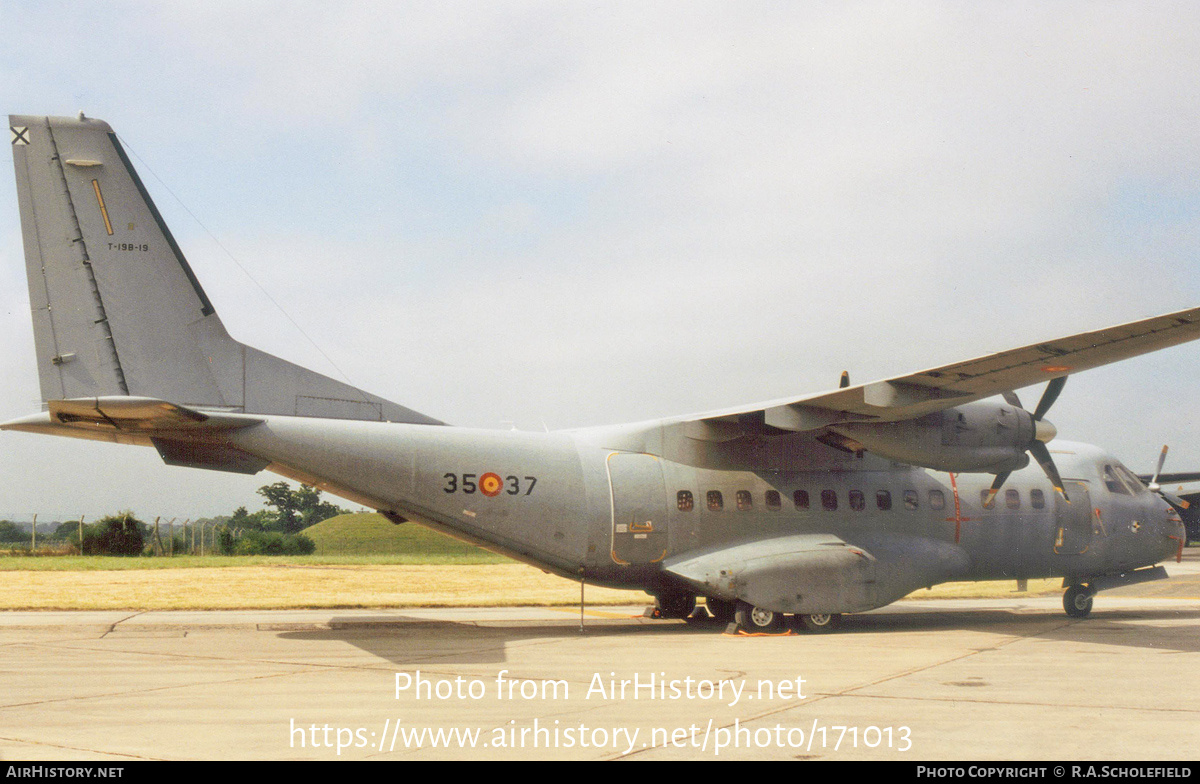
x,y
1173,531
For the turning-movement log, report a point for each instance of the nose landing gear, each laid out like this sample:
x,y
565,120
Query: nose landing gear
x,y
1077,601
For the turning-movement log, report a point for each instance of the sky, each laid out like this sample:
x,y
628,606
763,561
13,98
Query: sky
x,y
555,215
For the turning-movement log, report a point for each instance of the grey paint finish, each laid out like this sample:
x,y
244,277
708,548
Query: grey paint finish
x,y
941,388
145,327
820,504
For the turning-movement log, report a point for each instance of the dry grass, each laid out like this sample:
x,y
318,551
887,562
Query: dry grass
x,y
996,589
296,586
290,586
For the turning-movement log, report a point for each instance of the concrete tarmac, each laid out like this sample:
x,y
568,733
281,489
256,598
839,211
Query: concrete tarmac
x,y
998,679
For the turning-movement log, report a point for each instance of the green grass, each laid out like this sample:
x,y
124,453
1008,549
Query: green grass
x,y
372,534
364,539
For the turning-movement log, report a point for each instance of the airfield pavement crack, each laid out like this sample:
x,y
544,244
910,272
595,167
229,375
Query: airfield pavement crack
x,y
212,658
28,742
850,691
1025,703
149,690
112,627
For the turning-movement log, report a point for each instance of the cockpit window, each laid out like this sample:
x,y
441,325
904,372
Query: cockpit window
x,y
1130,479
1114,484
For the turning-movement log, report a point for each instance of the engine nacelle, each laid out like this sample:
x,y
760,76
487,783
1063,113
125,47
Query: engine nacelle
x,y
981,437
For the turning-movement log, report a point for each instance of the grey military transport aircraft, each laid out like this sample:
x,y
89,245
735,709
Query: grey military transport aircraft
x,y
799,509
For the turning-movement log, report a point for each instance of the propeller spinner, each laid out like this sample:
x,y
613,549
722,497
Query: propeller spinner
x,y
1044,432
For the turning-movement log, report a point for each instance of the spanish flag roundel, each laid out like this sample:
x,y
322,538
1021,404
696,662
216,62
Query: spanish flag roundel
x,y
490,485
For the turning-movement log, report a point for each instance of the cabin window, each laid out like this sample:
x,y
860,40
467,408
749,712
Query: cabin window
x,y
715,501
745,501
774,502
937,499
858,502
1012,499
829,500
683,499
911,500
800,499
883,499
1037,499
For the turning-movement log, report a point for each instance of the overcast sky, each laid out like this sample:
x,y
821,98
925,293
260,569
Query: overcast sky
x,y
566,214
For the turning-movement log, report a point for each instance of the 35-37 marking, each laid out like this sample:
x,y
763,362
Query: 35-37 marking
x,y
489,484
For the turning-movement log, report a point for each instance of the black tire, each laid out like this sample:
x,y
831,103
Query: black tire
x,y
757,620
821,623
722,610
1077,601
675,605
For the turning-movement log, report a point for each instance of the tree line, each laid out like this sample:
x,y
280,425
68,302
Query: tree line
x,y
276,530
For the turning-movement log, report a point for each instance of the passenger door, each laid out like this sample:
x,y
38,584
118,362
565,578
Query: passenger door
x,y
639,513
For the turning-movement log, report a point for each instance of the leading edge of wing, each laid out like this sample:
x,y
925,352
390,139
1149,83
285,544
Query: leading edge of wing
x,y
936,389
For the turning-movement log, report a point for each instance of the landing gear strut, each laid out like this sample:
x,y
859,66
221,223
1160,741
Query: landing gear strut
x,y
722,610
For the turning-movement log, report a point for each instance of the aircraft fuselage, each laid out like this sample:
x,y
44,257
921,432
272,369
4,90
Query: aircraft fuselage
x,y
586,504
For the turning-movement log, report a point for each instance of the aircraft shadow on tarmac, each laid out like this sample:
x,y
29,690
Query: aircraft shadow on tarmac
x,y
426,642
409,642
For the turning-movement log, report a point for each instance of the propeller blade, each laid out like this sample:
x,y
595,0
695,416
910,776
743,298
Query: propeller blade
x,y
1042,454
1011,398
1049,396
995,488
1162,458
1180,505
845,380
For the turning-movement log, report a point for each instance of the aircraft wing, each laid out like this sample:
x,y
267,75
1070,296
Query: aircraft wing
x,y
1171,479
918,394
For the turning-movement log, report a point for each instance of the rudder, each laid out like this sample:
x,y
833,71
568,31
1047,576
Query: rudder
x,y
117,309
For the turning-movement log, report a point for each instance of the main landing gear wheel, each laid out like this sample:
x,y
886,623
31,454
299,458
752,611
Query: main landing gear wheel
x,y
821,623
674,605
757,620
1077,601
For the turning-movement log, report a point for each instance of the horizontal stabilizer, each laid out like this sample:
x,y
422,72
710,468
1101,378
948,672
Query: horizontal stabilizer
x,y
140,415
183,436
104,418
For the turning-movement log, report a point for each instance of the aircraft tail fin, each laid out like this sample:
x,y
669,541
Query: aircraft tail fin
x,y
117,309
